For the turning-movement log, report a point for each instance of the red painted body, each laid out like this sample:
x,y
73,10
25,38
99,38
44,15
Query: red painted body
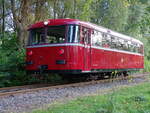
x,y
115,60
48,56
79,56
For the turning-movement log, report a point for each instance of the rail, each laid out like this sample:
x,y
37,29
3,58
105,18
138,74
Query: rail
x,y
37,87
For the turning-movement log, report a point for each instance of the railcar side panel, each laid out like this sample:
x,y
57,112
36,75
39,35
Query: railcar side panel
x,y
105,59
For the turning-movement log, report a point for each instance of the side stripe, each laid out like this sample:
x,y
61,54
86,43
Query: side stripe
x,y
82,45
115,50
54,45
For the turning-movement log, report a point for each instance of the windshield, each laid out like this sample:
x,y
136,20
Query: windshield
x,y
54,34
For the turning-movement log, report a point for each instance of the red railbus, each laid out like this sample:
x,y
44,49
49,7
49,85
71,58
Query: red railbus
x,y
73,46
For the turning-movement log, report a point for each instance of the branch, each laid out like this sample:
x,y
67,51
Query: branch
x,y
13,10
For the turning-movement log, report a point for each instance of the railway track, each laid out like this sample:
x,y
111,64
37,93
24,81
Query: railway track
x,y
10,91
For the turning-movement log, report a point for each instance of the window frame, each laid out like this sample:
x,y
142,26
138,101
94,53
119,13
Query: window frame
x,y
31,37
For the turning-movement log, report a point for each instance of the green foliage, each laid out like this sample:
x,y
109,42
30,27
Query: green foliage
x,y
136,14
146,65
112,14
138,98
135,99
46,78
11,61
86,13
53,78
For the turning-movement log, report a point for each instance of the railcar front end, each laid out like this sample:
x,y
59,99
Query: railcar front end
x,y
55,48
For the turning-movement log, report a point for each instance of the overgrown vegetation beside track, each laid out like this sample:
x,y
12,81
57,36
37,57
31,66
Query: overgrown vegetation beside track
x,y
11,61
134,99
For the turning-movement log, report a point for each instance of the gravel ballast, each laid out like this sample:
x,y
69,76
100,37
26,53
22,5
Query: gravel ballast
x,y
28,101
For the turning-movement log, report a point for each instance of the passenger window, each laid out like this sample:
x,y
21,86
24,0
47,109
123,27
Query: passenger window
x,y
133,47
106,41
125,45
113,42
120,44
129,46
85,35
136,48
96,38
141,49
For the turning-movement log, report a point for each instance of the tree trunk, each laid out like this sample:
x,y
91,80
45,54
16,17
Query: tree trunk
x,y
21,21
55,3
3,24
40,12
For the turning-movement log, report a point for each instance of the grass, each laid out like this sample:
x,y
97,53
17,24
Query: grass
x,y
134,99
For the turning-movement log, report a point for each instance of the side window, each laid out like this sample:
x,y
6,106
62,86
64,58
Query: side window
x,y
125,45
85,35
129,46
73,33
141,49
114,42
96,38
133,47
106,40
120,44
136,48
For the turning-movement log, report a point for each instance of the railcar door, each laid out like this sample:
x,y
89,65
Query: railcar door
x,y
87,48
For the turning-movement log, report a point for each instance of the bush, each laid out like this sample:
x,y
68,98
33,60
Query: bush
x,y
11,61
146,65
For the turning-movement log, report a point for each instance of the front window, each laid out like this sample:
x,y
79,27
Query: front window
x,y
48,35
54,34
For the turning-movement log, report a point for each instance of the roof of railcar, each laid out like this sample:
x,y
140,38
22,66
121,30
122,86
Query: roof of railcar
x,y
55,22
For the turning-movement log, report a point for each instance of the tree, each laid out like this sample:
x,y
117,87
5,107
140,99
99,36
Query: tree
x,y
3,25
136,14
2,15
87,12
41,10
112,14
21,19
